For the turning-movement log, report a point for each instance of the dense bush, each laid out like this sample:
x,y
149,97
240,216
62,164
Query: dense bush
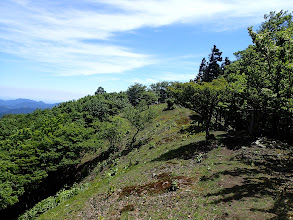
x,y
33,145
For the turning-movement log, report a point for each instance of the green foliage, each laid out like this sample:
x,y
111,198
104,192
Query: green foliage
x,y
100,91
199,158
208,71
35,144
135,93
30,153
261,79
203,98
139,116
149,98
161,89
174,185
90,108
7,195
97,107
52,201
170,104
114,130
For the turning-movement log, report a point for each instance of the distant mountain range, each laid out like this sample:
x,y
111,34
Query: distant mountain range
x,y
21,106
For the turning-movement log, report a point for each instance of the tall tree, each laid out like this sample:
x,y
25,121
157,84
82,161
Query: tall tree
x,y
202,98
224,65
100,91
261,78
139,116
246,80
135,93
202,70
274,42
161,89
114,130
208,71
214,69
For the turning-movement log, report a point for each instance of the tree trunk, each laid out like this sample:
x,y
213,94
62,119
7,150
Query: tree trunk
x,y
134,138
275,124
217,114
252,122
207,125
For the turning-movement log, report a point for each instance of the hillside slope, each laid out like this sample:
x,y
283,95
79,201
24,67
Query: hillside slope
x,y
172,173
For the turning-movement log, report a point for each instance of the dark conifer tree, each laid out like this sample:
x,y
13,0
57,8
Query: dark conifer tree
x,y
214,69
202,70
224,64
208,71
100,91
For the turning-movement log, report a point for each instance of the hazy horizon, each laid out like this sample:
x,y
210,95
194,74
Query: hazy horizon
x,y
46,102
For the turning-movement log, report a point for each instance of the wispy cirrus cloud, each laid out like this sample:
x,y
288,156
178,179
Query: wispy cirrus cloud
x,y
76,38
165,76
165,12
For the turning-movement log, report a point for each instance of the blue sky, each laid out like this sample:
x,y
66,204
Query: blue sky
x,y
59,50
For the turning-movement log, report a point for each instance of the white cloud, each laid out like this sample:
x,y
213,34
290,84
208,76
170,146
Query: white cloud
x,y
164,12
57,35
164,77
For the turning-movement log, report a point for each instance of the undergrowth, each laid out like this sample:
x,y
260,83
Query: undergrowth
x,y
53,201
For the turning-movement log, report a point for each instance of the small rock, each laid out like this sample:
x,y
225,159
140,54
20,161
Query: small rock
x,y
259,144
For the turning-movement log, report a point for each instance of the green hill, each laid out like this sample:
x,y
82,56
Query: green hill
x,y
171,172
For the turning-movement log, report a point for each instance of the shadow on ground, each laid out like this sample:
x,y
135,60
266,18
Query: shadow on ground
x,y
270,175
186,152
193,129
235,140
